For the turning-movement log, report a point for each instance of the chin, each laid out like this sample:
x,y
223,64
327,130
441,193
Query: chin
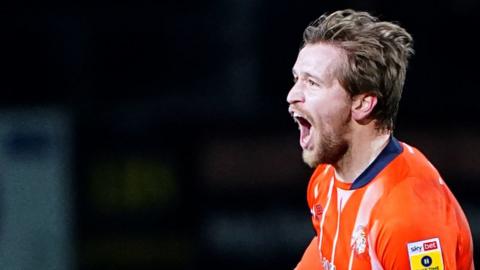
x,y
311,158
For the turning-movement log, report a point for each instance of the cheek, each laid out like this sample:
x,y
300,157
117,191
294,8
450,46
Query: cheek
x,y
330,111
335,117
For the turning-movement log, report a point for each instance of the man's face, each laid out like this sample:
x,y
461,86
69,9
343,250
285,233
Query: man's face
x,y
320,105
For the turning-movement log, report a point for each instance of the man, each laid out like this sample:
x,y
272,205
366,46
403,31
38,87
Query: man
x,y
376,202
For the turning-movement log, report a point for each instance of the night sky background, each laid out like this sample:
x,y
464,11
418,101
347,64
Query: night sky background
x,y
183,155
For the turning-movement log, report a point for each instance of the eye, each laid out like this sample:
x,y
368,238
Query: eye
x,y
295,79
311,82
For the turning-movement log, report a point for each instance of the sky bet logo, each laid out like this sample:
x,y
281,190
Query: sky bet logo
x,y
426,255
415,249
430,245
426,246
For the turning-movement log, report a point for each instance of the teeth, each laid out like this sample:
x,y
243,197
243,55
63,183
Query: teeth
x,y
296,117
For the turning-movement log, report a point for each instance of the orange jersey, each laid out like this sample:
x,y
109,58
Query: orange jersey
x,y
398,214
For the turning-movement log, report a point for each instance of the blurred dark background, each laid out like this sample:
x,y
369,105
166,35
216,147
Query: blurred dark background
x,y
155,134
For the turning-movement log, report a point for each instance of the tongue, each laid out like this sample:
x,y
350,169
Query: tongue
x,y
304,136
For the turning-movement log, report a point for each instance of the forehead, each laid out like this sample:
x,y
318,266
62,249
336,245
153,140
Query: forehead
x,y
318,59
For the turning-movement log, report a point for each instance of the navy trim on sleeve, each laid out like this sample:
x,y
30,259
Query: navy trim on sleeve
x,y
390,152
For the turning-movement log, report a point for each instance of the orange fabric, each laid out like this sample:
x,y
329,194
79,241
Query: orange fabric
x,y
370,227
310,257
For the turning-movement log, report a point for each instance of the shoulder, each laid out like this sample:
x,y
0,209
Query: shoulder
x,y
410,176
416,206
416,163
414,199
419,211
416,209
412,184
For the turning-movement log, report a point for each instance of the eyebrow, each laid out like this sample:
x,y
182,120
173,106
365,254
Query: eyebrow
x,y
308,75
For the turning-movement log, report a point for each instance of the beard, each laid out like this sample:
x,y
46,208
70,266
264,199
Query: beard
x,y
329,146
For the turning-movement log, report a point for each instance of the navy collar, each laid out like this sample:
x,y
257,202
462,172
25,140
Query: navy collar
x,y
391,151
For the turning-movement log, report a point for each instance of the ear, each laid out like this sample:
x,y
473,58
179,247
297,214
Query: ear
x,y
362,106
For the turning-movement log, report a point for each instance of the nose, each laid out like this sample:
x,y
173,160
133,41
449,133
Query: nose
x,y
295,95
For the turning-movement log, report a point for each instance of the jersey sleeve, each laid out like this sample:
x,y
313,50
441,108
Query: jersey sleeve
x,y
311,257
419,230
393,241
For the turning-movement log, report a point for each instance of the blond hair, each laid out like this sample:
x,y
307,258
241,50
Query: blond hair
x,y
377,54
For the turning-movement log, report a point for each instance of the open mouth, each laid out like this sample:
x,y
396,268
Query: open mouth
x,y
305,128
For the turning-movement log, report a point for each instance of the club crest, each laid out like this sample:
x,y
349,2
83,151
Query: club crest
x,y
359,239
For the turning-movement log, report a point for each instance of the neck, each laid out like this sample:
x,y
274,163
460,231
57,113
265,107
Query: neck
x,y
363,149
